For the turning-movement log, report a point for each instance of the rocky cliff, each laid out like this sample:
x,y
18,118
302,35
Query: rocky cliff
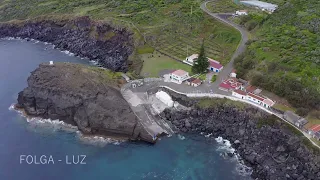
x,y
85,38
83,96
267,144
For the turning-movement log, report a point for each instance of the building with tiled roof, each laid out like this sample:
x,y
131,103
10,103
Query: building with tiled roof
x,y
179,76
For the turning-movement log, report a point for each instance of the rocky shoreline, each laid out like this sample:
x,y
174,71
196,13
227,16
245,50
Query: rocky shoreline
x,y
264,142
109,46
82,96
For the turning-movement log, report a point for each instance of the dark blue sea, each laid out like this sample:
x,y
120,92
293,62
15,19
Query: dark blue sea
x,y
187,157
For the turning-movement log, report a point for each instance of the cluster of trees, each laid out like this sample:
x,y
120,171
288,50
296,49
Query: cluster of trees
x,y
285,57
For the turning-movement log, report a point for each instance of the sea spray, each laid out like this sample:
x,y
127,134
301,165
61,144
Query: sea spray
x,y
226,147
56,125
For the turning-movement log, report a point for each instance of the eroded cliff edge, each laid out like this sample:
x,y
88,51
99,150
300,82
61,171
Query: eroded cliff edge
x,y
95,40
87,97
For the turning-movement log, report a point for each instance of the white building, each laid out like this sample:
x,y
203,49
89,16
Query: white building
x,y
191,59
265,102
165,98
239,94
179,76
242,12
233,74
264,6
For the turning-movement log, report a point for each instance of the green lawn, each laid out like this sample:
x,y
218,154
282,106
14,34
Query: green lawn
x,y
153,65
283,107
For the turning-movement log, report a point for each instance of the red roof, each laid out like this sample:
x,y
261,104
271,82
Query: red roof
x,y
251,89
179,72
256,96
315,128
215,64
196,81
230,83
240,92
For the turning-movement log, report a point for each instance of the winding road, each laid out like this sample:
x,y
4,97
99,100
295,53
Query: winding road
x,y
240,49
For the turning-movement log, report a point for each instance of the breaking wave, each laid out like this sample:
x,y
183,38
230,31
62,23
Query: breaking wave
x,y
225,148
57,125
68,53
97,140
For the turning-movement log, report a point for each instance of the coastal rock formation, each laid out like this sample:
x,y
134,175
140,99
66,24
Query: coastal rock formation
x,y
83,96
264,142
85,38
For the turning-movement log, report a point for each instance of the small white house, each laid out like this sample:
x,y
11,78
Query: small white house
x,y
233,74
239,94
179,76
242,13
165,98
191,59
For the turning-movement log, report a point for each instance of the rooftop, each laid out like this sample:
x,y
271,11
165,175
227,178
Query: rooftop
x,y
196,81
240,92
260,4
251,89
215,64
191,79
315,128
179,72
256,97
230,83
291,115
269,102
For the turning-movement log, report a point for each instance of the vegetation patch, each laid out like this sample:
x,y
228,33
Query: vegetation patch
x,y
145,49
284,57
216,102
214,78
154,63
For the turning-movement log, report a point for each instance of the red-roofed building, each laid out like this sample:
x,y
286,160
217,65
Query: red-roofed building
x,y
315,128
314,131
230,84
179,76
215,66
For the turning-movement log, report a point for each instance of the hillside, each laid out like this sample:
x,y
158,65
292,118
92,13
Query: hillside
x,y
284,58
174,27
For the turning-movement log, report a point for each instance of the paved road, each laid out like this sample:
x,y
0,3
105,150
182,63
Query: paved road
x,y
241,47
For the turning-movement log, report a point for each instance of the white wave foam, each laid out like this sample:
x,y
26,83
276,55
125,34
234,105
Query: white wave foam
x,y
55,125
181,137
226,147
68,53
208,135
97,140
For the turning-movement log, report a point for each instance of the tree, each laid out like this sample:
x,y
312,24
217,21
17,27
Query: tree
x,y
202,63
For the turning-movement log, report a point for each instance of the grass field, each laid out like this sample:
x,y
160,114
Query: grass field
x,y
283,107
175,28
153,65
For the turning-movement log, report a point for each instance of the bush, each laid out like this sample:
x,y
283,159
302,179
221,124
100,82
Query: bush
x,y
302,112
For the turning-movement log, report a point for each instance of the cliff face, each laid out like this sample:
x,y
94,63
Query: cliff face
x,y
82,96
81,36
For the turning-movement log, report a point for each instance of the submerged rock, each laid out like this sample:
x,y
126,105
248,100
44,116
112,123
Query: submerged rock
x,y
83,96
